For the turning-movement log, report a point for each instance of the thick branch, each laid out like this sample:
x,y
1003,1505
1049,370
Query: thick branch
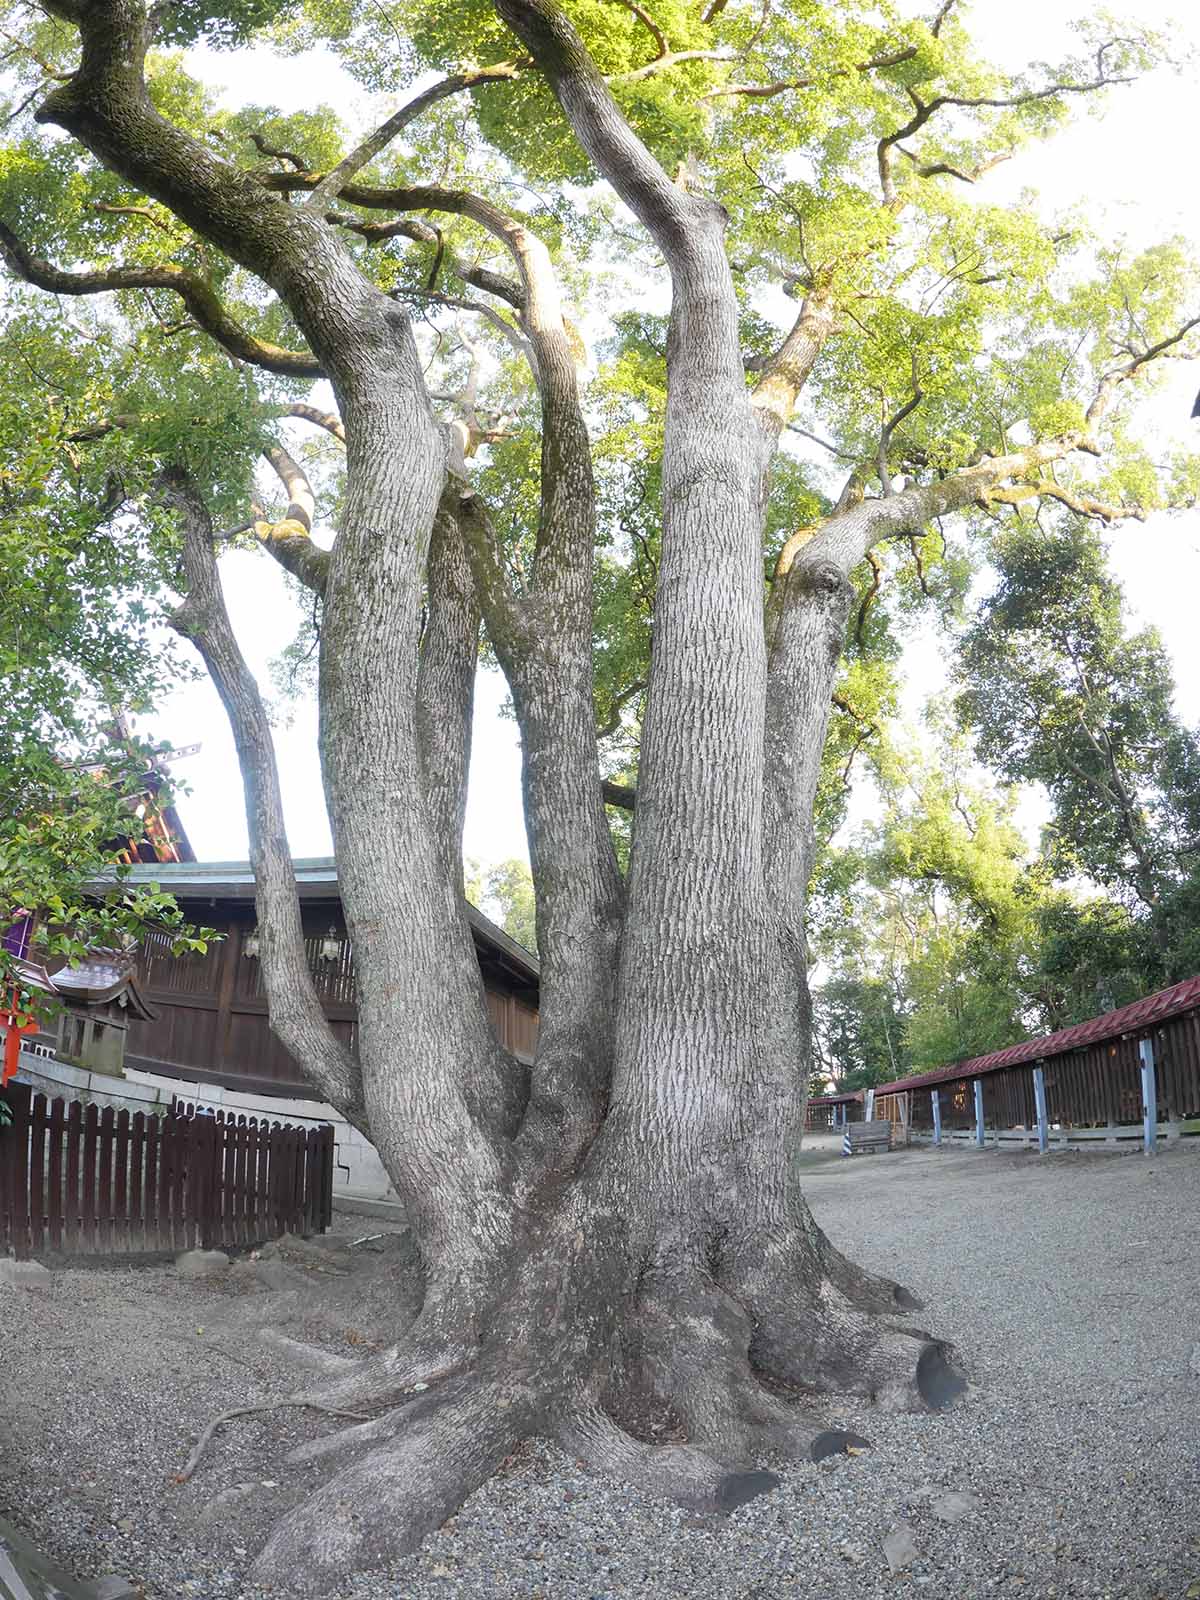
x,y
295,1011
1113,379
648,23
775,393
131,211
334,182
935,169
543,641
809,606
925,109
567,497
301,500
1082,504
196,294
619,703
944,10
889,428
275,153
320,419
868,598
521,347
667,211
619,795
423,233
662,63
446,682
845,539
358,338
289,539
524,247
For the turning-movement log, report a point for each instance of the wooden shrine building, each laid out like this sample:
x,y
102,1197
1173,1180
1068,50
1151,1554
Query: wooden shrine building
x,y
209,1022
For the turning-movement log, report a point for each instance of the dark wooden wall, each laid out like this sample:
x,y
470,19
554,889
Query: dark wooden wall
x,y
212,1009
1094,1087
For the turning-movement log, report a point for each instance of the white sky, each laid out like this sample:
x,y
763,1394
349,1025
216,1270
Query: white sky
x,y
1131,167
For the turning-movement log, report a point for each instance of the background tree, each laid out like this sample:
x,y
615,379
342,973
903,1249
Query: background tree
x,y
506,893
859,1031
981,936
1061,694
628,1252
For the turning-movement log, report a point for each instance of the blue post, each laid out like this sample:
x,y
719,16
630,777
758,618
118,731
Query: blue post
x,y
1149,1097
979,1112
935,1096
1039,1099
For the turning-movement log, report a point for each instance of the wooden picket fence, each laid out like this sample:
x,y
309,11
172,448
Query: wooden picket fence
x,y
77,1179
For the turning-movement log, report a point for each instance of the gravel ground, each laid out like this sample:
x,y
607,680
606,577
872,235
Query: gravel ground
x,y
1071,1468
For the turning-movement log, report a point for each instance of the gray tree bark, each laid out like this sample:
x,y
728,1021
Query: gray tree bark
x,y
632,1248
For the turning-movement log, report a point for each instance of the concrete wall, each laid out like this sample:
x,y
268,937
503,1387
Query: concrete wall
x,y
358,1172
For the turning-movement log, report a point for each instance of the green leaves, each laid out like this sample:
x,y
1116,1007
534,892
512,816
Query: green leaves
x,y
1062,695
505,893
222,27
64,823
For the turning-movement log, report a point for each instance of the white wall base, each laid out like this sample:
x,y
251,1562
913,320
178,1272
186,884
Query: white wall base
x,y
1060,1138
357,1171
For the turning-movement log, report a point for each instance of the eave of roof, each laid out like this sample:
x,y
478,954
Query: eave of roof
x,y
1140,1017
316,879
78,989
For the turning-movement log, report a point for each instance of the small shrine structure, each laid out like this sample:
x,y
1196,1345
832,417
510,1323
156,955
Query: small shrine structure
x,y
99,997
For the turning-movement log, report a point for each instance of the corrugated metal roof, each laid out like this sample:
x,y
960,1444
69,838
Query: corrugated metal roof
x,y
835,1099
1139,1018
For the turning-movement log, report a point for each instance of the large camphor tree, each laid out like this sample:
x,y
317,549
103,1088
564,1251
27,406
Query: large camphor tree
x,y
624,1256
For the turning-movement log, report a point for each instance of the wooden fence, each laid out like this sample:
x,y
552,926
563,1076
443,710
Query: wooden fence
x,y
75,1178
1093,1087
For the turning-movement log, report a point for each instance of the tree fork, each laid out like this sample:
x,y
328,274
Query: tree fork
x,y
640,1212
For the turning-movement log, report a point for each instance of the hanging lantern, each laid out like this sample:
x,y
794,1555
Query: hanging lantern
x,y
250,945
331,946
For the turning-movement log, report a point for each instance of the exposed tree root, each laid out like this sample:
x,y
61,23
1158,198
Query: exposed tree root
x,y
364,1433
386,1501
417,1361
692,1353
193,1461
684,1383
308,1355
683,1472
823,1344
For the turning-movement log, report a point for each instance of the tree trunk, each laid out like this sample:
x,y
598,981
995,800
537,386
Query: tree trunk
x,y
632,1259
666,1279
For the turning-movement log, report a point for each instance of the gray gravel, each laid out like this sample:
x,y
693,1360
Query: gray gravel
x,y
1071,1468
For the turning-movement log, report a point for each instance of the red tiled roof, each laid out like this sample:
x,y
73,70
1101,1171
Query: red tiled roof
x,y
1139,1017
